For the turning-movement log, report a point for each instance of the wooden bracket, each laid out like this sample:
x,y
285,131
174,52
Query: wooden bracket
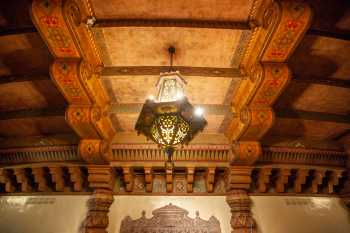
x,y
190,178
282,179
300,179
210,177
76,177
57,177
148,179
263,179
6,178
40,178
128,174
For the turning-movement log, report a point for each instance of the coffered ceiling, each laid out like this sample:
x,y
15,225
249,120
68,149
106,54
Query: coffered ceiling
x,y
210,38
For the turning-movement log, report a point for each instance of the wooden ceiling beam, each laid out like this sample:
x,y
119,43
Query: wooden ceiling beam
x,y
23,78
314,116
185,70
323,81
172,23
32,113
338,34
134,108
15,31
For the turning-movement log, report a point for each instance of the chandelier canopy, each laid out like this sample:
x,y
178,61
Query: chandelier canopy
x,y
170,119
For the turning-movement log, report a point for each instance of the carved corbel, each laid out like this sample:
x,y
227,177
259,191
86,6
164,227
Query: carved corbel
x,y
282,179
128,174
333,180
263,179
57,178
190,178
300,179
23,179
169,178
76,177
6,178
40,179
148,179
210,176
317,179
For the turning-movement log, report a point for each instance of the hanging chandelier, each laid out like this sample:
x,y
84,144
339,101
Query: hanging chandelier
x,y
170,120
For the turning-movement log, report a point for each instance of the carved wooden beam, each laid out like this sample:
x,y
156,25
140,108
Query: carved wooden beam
x,y
115,71
7,179
148,179
336,34
23,78
76,72
282,179
300,179
128,175
76,177
100,176
315,116
32,113
263,179
41,179
323,81
14,31
190,178
278,27
23,179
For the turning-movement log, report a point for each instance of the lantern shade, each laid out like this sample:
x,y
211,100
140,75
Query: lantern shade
x,y
169,123
170,119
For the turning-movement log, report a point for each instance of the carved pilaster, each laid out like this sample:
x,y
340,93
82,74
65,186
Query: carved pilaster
x,y
241,217
101,180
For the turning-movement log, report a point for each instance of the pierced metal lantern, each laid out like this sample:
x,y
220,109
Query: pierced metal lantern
x,y
170,119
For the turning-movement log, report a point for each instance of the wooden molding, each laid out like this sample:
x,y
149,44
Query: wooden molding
x,y
171,23
114,71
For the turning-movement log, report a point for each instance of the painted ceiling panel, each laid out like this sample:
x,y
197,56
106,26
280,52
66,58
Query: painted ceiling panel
x,y
148,46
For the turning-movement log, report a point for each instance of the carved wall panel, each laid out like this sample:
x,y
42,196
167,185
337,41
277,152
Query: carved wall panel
x,y
170,219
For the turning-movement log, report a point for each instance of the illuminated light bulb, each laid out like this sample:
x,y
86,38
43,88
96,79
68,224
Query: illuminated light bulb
x,y
179,95
151,97
198,111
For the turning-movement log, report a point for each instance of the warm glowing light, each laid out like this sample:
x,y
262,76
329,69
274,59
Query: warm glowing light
x,y
151,97
198,111
179,95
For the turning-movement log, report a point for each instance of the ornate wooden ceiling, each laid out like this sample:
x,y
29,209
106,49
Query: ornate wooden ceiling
x,y
74,74
238,58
